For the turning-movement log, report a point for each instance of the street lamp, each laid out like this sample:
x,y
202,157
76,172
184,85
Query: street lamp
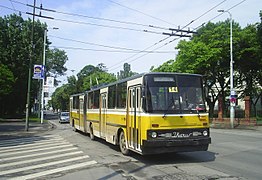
x,y
232,91
43,82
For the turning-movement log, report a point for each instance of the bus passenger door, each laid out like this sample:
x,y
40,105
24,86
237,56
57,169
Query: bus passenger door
x,y
81,114
134,120
103,108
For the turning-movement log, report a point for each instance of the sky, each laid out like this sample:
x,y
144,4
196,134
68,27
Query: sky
x,y
114,32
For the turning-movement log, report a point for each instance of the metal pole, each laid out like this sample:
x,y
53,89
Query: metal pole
x,y
30,74
43,81
232,91
232,108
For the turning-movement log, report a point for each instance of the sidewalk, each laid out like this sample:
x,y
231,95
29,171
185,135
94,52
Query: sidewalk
x,y
15,128
239,127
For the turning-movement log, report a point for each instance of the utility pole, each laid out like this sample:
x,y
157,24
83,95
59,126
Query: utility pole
x,y
30,72
43,82
233,95
31,61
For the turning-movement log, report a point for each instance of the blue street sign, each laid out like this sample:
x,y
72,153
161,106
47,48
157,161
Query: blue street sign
x,y
39,72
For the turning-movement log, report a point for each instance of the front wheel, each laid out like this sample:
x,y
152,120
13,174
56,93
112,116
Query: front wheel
x,y
123,144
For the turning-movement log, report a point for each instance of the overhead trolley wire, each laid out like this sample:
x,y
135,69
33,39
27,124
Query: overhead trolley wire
x,y
166,38
220,14
111,51
156,18
92,17
106,46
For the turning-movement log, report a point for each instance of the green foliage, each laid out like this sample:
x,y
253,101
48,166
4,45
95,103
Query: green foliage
x,y
126,72
88,77
6,80
207,53
15,50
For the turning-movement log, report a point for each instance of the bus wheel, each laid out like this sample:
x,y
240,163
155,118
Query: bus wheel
x,y
92,137
122,144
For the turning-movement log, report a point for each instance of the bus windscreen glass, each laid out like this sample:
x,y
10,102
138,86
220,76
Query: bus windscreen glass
x,y
174,95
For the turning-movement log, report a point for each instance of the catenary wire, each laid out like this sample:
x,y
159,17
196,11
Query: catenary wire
x,y
111,51
178,37
105,46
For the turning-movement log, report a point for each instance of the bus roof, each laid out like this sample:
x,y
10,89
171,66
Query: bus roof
x,y
134,77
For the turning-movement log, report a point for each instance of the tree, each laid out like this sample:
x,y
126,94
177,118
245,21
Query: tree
x,y
6,80
87,78
55,62
15,45
207,53
126,72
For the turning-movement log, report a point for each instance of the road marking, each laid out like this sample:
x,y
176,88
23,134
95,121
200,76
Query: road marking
x,y
14,145
42,165
53,171
40,159
32,146
26,155
25,141
38,154
34,150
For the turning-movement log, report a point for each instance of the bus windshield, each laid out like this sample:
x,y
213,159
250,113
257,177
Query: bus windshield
x,y
174,94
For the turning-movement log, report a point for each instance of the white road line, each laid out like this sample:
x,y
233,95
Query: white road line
x,y
65,168
17,147
29,139
38,154
40,159
11,171
13,144
34,150
32,147
10,143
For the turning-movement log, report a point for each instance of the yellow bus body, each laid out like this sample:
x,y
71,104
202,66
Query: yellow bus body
x,y
175,132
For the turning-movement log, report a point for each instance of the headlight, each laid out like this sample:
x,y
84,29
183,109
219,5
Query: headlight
x,y
154,135
205,133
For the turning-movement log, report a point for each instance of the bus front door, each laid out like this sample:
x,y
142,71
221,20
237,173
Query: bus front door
x,y
134,120
103,99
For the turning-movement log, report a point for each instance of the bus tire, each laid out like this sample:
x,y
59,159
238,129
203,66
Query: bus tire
x,y
123,144
92,136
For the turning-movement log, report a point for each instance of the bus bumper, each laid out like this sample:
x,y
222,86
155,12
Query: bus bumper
x,y
175,145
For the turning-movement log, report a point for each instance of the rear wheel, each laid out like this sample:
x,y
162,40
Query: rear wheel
x,y
123,144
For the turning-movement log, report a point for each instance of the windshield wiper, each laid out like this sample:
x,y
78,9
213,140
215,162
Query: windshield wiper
x,y
170,104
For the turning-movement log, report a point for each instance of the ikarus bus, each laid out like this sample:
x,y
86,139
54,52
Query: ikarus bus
x,y
148,113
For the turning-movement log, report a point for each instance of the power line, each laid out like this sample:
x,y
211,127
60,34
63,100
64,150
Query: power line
x,y
12,5
95,44
156,18
108,26
111,51
206,12
220,14
160,41
170,36
91,17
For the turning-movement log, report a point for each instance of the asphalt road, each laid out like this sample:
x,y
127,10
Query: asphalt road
x,y
233,154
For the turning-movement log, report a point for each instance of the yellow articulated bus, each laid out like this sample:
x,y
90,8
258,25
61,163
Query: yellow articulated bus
x,y
148,113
